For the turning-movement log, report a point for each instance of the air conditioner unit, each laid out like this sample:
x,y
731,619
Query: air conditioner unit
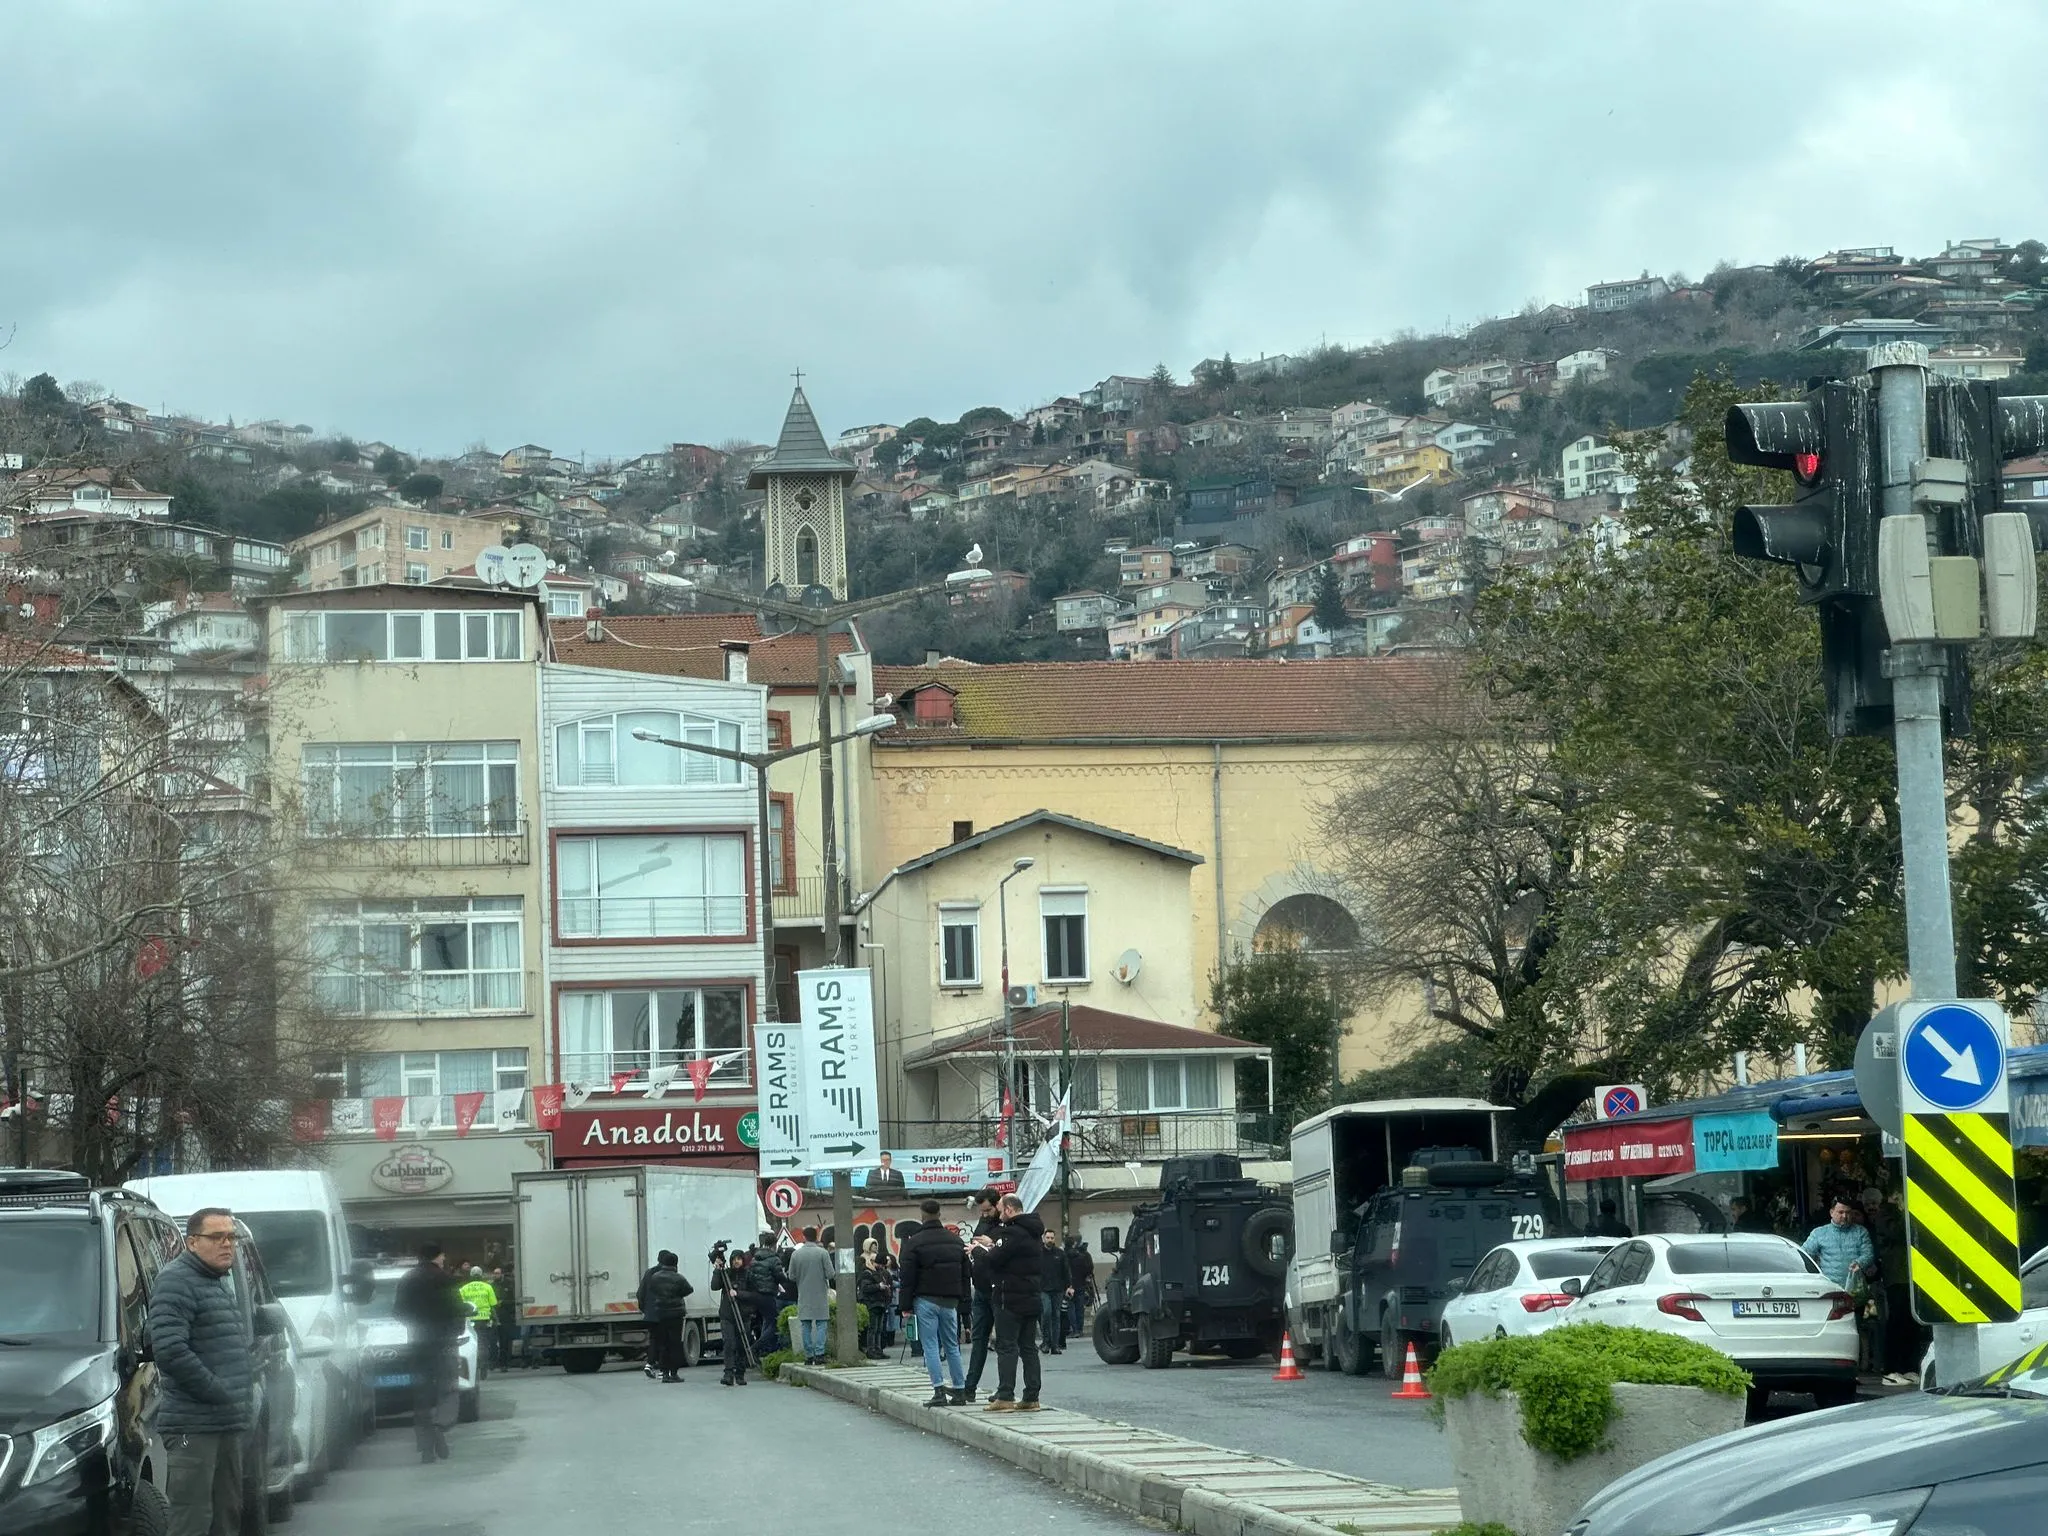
x,y
1025,996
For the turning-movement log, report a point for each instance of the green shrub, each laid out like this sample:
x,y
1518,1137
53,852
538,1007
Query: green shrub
x,y
772,1364
1562,1377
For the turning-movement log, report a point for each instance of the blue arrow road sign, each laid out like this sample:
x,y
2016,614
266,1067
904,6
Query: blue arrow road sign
x,y
1953,1057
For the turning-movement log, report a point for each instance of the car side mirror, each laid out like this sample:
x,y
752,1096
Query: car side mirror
x,y
1573,1286
1455,1285
269,1320
361,1282
1112,1240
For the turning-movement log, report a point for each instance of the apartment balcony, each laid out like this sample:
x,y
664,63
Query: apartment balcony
x,y
1112,1136
804,904
495,844
731,1068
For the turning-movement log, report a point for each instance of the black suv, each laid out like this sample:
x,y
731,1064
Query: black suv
x,y
1412,1241
1202,1270
78,1445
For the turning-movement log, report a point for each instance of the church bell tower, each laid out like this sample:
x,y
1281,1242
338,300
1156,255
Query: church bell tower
x,y
805,519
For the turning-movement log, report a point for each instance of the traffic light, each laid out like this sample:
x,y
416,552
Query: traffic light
x,y
1828,444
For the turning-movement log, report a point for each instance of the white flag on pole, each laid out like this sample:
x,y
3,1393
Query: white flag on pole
x,y
1037,1180
660,1079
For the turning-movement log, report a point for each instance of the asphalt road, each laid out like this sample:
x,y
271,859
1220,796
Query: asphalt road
x,y
617,1453
1339,1423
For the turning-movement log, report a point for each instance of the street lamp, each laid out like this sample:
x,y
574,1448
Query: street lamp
x,y
761,762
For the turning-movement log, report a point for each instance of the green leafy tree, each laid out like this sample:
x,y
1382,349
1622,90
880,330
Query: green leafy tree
x,y
420,487
1285,999
42,396
1162,378
393,466
1329,610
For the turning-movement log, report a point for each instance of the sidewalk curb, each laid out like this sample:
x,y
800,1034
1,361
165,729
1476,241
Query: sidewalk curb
x,y
1184,1484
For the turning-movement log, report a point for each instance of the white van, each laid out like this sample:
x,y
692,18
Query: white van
x,y
295,1216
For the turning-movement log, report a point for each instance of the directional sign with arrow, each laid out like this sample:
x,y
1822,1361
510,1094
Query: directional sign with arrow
x,y
779,1057
1952,1058
842,1111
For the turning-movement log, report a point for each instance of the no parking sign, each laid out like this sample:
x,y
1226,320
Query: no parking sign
x,y
1617,1101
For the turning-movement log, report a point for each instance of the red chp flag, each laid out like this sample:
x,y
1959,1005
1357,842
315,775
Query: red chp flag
x,y
385,1115
547,1106
467,1107
309,1120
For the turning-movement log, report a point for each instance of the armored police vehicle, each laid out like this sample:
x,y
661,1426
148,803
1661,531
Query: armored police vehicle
x,y
1202,1270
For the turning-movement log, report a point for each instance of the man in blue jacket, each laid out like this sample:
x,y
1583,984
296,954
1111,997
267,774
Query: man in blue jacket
x,y
202,1361
1841,1248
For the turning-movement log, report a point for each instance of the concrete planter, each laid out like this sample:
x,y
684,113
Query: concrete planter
x,y
1502,1477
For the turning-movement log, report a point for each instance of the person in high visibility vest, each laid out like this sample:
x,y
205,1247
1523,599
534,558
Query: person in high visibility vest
x,y
483,1296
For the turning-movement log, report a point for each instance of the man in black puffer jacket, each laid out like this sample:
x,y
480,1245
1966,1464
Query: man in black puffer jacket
x,y
1016,1268
931,1281
764,1273
202,1360
664,1302
426,1301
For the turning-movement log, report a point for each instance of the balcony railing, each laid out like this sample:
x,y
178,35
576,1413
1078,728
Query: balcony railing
x,y
653,917
1112,1136
731,1068
803,903
499,843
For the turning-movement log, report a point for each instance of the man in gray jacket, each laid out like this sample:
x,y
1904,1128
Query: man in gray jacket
x,y
810,1269
202,1361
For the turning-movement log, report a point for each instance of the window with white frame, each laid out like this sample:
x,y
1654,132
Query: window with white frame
x,y
1036,1083
667,885
415,574
415,536
447,539
1159,1083
641,1029
429,1081
409,634
407,789
419,957
959,944
565,605
602,752
1064,917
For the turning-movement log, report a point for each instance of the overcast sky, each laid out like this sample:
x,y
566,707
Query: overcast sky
x,y
606,226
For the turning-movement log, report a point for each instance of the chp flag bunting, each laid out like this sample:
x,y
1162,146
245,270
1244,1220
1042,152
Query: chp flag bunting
x,y
385,1113
1962,1226
349,1115
424,1111
619,1081
661,1079
467,1107
506,1104
573,1095
548,1100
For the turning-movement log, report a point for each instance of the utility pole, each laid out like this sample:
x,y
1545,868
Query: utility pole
x,y
1910,558
1066,1099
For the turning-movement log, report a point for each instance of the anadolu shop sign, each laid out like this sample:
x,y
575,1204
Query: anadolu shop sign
x,y
655,1134
1655,1149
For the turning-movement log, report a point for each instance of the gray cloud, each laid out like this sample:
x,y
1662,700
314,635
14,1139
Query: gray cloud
x,y
606,226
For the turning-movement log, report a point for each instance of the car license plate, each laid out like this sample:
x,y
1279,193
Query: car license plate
x,y
1766,1309
588,1338
384,1382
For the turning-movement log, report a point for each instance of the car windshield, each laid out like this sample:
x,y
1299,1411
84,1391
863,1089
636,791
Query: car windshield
x,y
47,1280
1738,1258
1557,1263
294,1249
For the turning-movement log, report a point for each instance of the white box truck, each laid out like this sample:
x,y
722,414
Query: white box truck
x,y
584,1237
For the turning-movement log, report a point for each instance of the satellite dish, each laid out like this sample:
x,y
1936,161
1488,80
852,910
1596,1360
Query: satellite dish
x,y
1128,965
491,561
525,564
668,558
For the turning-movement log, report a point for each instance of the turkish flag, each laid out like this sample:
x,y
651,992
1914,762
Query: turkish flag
x,y
619,1081
547,1106
1009,1110
700,1073
467,1107
385,1115
309,1120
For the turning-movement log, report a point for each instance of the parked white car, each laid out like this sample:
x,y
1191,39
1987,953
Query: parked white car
x,y
1518,1288
1756,1298
2001,1343
384,1346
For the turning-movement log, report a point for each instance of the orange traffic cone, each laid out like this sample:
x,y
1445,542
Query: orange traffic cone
x,y
1411,1378
1288,1371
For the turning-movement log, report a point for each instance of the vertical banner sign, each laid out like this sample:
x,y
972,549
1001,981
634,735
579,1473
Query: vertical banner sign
x,y
1961,1225
842,1111
778,1050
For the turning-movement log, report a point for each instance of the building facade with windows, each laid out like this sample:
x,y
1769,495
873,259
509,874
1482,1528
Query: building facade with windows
x,y
652,870
401,545
405,755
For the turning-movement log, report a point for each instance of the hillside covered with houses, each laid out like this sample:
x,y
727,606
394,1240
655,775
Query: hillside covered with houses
x,y
1341,501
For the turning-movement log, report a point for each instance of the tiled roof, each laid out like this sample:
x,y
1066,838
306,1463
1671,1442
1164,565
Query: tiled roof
x,y
1034,819
1094,1029
801,448
687,645
1221,699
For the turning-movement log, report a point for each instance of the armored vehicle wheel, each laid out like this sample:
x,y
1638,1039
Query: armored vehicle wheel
x,y
1256,1243
1391,1356
1348,1349
1114,1345
1154,1353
